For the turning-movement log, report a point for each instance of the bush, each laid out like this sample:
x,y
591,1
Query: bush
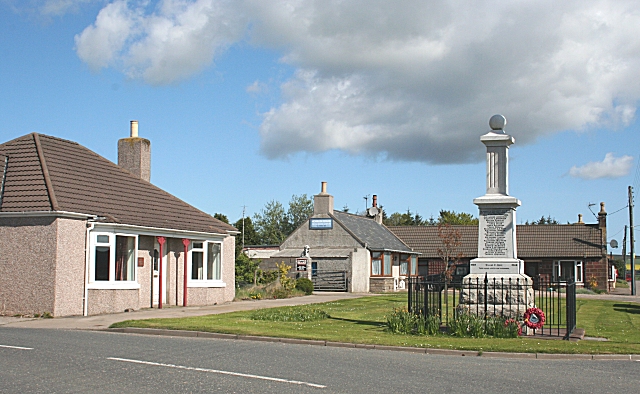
x,y
286,282
269,276
305,285
293,314
427,325
401,321
467,325
280,292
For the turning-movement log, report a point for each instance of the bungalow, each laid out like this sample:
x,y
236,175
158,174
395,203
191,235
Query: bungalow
x,y
80,235
556,252
358,249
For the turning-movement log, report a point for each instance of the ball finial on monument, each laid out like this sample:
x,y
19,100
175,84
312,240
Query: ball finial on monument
x,y
497,122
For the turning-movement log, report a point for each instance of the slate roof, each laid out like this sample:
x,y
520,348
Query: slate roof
x,y
51,174
541,241
376,236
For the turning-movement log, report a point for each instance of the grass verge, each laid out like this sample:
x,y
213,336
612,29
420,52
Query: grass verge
x,y
363,320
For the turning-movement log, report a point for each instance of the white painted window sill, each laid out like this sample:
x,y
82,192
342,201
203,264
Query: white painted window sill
x,y
113,285
206,283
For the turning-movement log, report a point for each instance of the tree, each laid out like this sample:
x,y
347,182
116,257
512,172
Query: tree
x,y
271,223
451,239
246,269
454,218
300,209
250,235
543,221
221,217
404,219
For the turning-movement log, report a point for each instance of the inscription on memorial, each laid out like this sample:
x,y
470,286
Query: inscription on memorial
x,y
495,240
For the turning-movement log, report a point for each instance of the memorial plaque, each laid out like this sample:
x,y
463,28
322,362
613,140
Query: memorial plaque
x,y
494,234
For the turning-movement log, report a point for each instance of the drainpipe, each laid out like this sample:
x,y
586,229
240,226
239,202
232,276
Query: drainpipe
x,y
161,241
87,257
186,243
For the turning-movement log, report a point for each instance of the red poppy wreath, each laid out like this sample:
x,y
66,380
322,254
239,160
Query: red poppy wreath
x,y
534,318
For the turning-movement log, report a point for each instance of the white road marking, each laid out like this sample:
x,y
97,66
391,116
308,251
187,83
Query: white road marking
x,y
243,375
17,347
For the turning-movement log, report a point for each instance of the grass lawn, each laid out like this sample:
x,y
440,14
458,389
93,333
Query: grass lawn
x,y
363,320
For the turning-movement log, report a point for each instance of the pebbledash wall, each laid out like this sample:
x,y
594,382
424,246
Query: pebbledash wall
x,y
42,266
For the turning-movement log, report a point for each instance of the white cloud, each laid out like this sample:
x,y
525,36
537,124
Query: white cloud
x,y
414,80
99,44
610,167
177,40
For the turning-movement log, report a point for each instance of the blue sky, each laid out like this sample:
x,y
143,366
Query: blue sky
x,y
248,101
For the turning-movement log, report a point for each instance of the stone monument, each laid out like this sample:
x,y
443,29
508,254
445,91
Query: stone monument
x,y
509,291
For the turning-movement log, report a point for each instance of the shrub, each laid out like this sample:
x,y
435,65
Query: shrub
x,y
305,284
427,325
401,321
292,314
286,282
592,283
467,325
269,276
279,293
501,327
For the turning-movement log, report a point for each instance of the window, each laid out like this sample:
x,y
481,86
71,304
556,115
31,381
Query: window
x,y
205,262
414,265
564,270
404,264
113,258
376,263
387,264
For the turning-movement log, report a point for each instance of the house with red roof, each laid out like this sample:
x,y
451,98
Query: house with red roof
x,y
81,235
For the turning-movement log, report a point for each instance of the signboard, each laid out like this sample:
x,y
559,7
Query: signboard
x,y
301,264
320,224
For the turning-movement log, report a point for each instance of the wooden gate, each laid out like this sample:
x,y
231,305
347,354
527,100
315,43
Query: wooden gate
x,y
329,280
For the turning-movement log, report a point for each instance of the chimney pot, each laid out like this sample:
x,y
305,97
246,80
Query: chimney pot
x,y
375,201
134,129
324,188
580,219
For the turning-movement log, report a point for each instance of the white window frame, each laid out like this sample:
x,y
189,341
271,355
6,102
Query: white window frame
x,y
112,283
205,256
577,269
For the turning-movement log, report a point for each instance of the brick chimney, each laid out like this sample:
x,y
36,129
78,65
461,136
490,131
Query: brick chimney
x,y
602,225
323,202
134,153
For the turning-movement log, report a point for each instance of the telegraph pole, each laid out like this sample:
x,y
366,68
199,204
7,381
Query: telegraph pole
x,y
243,208
624,252
631,246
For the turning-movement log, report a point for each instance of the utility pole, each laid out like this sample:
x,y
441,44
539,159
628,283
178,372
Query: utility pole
x,y
243,208
624,252
631,246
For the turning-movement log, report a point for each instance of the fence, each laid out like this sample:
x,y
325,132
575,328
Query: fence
x,y
496,297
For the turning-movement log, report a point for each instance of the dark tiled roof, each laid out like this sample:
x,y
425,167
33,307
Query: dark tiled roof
x,y
543,241
376,236
65,176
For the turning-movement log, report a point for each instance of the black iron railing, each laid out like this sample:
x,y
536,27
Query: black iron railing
x,y
509,298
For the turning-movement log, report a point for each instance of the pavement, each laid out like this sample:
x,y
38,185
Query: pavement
x,y
100,322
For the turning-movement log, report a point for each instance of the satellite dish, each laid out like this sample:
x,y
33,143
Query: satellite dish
x,y
373,211
613,243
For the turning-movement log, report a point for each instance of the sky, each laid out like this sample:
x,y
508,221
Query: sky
x,y
248,101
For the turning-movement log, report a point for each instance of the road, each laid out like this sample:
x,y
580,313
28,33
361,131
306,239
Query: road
x,y
36,360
